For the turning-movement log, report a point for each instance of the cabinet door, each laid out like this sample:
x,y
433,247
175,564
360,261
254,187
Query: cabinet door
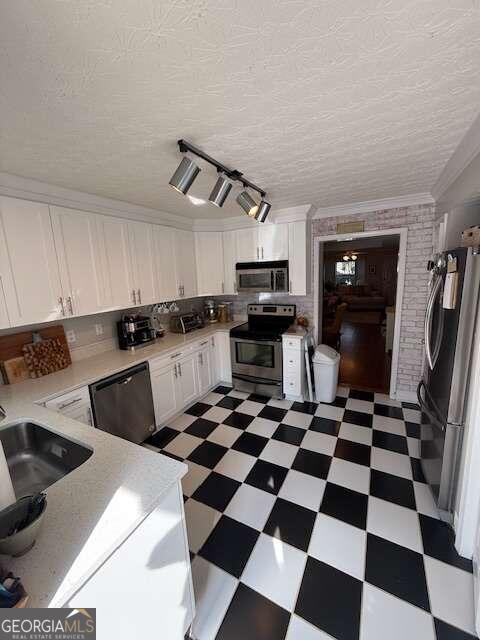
x,y
229,262
273,241
141,252
204,370
185,263
29,267
187,380
78,259
82,414
247,244
209,253
115,258
298,258
214,360
165,393
4,271
164,257
224,363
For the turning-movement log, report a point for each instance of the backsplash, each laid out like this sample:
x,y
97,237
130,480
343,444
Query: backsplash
x,y
239,302
87,342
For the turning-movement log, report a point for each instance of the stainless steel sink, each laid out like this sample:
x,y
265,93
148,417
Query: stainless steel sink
x,y
37,457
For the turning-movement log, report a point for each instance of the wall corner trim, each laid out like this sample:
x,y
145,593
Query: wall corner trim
x,y
467,149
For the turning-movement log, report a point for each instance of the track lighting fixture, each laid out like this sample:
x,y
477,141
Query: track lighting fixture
x,y
350,256
184,175
187,171
263,210
220,191
247,203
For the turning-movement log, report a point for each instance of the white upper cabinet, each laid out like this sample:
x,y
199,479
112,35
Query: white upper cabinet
x,y
229,262
185,264
76,243
247,244
262,242
141,255
273,242
209,252
29,268
299,265
164,258
113,238
4,273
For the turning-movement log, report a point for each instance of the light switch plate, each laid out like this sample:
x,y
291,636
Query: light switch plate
x,y
99,329
71,337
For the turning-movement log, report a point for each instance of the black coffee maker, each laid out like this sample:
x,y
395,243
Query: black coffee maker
x,y
135,331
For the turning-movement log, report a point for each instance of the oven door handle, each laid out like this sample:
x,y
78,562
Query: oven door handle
x,y
256,341
273,383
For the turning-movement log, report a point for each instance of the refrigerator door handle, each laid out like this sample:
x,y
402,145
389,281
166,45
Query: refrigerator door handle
x,y
425,407
432,356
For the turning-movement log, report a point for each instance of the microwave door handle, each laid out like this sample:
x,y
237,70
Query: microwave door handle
x,y
272,281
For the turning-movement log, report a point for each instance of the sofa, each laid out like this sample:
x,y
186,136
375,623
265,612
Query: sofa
x,y
361,298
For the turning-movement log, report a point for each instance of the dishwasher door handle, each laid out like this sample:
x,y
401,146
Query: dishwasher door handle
x,y
126,381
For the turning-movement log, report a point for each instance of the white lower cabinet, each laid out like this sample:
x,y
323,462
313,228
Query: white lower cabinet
x,y
294,373
221,355
75,405
179,379
164,390
204,367
155,559
187,379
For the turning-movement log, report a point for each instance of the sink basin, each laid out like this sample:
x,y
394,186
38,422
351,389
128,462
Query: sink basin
x,y
37,457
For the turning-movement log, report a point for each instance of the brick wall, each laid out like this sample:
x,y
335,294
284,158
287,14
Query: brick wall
x,y
419,220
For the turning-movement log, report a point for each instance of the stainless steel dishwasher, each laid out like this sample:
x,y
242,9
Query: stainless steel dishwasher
x,y
123,404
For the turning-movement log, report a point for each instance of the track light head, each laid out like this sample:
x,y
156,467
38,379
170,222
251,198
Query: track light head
x,y
220,191
247,203
263,211
184,175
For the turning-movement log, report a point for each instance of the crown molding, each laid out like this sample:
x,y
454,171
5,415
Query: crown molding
x,y
28,189
467,149
289,214
358,208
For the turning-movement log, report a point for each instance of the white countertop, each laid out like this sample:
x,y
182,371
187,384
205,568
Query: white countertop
x,y
92,510
84,372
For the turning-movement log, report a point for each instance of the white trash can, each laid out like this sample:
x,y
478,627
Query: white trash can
x,y
326,362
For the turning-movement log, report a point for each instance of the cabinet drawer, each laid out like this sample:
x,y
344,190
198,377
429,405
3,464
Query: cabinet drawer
x,y
292,343
70,400
292,360
291,385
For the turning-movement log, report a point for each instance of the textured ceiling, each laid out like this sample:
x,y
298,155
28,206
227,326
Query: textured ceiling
x,y
318,101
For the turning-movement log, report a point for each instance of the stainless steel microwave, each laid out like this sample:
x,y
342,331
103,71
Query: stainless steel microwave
x,y
262,277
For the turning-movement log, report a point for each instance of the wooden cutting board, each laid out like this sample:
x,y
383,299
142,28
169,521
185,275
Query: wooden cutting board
x,y
45,357
14,370
11,346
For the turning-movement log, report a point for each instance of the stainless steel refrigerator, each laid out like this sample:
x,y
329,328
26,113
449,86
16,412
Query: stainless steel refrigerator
x,y
449,327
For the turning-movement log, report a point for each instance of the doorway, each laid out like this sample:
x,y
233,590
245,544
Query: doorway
x,y
358,296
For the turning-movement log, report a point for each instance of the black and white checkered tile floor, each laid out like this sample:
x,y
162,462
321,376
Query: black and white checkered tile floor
x,y
310,522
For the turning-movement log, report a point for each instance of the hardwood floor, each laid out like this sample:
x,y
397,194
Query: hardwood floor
x,y
364,363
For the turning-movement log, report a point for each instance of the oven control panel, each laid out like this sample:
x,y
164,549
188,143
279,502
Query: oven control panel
x,y
277,310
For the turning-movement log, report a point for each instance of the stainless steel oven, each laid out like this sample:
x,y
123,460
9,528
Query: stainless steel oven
x,y
262,277
256,349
